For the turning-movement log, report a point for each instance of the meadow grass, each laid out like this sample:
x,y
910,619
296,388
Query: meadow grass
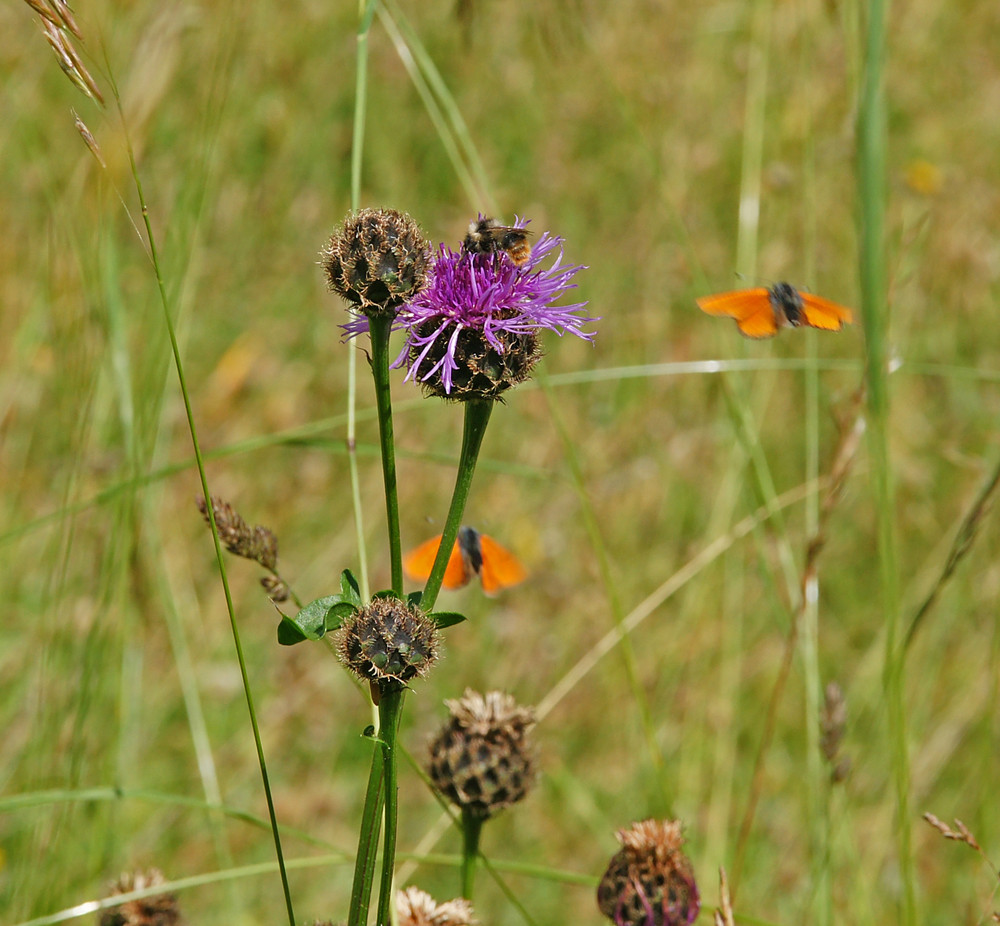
x,y
690,508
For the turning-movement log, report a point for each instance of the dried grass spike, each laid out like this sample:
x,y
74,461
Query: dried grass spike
x,y
65,14
724,915
259,544
88,138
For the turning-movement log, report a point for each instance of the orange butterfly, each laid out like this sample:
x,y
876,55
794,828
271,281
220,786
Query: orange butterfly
x,y
760,312
473,554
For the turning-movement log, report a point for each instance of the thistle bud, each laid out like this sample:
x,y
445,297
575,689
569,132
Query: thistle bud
x,y
650,881
482,759
158,910
415,907
377,261
388,642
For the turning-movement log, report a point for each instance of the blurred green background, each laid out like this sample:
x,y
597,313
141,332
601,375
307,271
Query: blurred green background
x,y
635,130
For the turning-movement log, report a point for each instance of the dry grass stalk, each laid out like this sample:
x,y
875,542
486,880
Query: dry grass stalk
x,y
959,548
843,460
724,915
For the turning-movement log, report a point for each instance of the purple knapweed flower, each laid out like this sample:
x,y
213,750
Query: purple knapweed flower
x,y
473,331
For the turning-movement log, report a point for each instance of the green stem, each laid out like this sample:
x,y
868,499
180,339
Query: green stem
x,y
199,459
477,416
875,317
364,862
389,710
380,329
472,826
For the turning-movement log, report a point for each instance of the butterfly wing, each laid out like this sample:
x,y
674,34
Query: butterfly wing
x,y
818,312
751,308
501,569
420,560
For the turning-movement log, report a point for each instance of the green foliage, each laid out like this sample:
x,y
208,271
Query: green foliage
x,y
317,618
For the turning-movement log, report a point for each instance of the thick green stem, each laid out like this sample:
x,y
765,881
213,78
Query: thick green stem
x,y
477,416
875,318
389,710
472,826
364,863
380,329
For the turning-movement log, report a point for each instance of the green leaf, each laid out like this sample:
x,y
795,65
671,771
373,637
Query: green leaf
x,y
338,612
386,593
414,598
314,620
288,633
350,590
446,618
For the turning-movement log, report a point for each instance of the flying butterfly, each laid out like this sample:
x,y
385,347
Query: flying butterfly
x,y
474,554
760,312
488,236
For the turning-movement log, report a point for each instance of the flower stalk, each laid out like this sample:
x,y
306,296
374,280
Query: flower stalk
x,y
380,329
387,643
389,711
477,417
472,827
364,862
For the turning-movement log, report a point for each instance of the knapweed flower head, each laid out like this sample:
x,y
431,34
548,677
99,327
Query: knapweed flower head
x,y
157,910
377,261
388,642
415,907
482,759
650,881
473,332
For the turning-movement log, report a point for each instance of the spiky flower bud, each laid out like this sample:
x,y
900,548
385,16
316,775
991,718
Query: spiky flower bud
x,y
415,907
158,910
388,642
482,759
377,261
650,881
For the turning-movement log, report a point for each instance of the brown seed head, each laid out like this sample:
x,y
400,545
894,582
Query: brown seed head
x,y
158,910
482,759
258,543
388,642
276,588
415,907
377,261
650,881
